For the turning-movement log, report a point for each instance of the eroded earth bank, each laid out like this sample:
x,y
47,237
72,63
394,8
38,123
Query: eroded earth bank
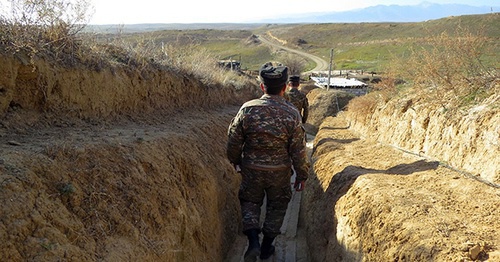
x,y
114,164
118,165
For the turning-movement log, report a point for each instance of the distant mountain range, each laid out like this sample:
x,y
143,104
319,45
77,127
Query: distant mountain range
x,y
388,13
380,13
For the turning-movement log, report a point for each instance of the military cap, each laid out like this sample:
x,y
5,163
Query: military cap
x,y
294,78
273,76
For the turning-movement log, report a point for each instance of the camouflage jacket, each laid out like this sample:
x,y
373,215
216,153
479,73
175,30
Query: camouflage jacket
x,y
266,133
299,100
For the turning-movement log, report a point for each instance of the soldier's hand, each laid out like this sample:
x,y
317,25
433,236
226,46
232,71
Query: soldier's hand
x,y
299,185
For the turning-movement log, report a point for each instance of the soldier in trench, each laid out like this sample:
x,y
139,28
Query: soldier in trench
x,y
266,140
297,98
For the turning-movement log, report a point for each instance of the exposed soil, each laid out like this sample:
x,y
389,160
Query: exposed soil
x,y
152,189
139,173
372,202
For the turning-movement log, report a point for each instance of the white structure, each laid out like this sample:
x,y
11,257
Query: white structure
x,y
338,82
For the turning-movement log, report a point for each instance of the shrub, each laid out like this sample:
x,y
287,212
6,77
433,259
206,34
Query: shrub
x,y
295,63
37,25
448,69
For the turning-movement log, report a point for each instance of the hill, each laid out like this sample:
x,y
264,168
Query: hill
x,y
364,46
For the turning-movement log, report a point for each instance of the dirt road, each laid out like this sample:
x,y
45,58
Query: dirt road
x,y
320,63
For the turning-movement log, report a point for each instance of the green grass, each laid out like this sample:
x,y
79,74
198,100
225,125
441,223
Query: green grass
x,y
250,56
366,46
373,45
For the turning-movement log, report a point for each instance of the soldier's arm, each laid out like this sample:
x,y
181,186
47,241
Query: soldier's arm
x,y
298,154
235,140
305,110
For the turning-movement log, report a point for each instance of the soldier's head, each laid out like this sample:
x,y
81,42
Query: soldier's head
x,y
294,81
273,78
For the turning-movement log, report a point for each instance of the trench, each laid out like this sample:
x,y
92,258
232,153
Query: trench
x,y
158,187
162,190
164,187
141,187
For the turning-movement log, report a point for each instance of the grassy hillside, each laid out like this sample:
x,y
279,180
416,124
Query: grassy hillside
x,y
373,45
368,46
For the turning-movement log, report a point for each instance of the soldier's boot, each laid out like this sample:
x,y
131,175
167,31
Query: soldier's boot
x,y
267,248
253,250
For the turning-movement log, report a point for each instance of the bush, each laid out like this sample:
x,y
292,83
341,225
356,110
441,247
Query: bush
x,y
295,63
36,25
448,69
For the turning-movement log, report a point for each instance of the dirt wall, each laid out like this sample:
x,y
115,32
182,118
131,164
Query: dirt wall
x,y
374,196
467,139
322,104
114,165
138,193
121,90
371,202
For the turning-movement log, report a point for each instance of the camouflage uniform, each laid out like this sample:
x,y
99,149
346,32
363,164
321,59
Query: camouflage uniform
x,y
299,100
266,138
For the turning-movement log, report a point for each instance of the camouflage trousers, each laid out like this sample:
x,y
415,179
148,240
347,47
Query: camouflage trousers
x,y
257,184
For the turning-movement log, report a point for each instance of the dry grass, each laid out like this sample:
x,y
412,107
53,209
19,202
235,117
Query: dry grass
x,y
51,30
188,59
449,70
43,26
363,106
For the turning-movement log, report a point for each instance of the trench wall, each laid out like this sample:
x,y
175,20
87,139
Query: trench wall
x,y
384,188
466,139
79,91
80,182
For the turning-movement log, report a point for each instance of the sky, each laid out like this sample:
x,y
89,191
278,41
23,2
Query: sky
x,y
229,11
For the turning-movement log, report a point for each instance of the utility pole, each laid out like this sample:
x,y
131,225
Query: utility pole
x,y
329,76
330,69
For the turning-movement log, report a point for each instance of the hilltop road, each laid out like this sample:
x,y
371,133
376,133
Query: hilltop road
x,y
320,63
